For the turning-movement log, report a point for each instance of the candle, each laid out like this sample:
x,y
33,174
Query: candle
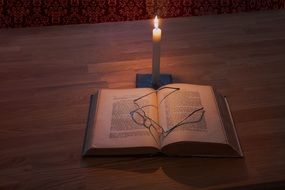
x,y
156,37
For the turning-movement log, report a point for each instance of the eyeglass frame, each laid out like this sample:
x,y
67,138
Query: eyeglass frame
x,y
145,117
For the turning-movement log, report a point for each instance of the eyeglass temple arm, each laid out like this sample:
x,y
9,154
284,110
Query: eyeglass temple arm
x,y
178,124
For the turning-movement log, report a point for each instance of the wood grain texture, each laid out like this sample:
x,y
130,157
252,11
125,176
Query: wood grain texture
x,y
48,73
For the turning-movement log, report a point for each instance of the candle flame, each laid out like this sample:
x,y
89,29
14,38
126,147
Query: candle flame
x,y
156,22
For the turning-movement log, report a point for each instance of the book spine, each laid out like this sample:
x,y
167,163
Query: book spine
x,y
90,123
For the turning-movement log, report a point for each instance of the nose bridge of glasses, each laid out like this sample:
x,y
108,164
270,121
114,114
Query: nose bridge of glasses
x,y
148,122
140,117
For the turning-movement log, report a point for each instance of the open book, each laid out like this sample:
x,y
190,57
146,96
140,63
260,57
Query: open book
x,y
177,119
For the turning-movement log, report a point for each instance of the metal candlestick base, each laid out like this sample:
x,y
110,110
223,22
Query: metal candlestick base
x,y
145,80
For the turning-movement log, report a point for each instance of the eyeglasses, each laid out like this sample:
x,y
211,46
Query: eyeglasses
x,y
140,117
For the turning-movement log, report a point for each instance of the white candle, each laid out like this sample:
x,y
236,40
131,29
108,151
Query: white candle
x,y
156,37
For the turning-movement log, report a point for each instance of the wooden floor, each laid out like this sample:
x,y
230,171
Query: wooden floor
x,y
47,75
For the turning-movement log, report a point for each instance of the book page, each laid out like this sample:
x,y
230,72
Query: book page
x,y
119,121
190,114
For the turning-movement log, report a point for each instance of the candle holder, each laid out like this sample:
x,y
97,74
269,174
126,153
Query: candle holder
x,y
145,81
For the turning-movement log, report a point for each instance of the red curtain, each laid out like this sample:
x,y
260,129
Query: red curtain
x,y
22,13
